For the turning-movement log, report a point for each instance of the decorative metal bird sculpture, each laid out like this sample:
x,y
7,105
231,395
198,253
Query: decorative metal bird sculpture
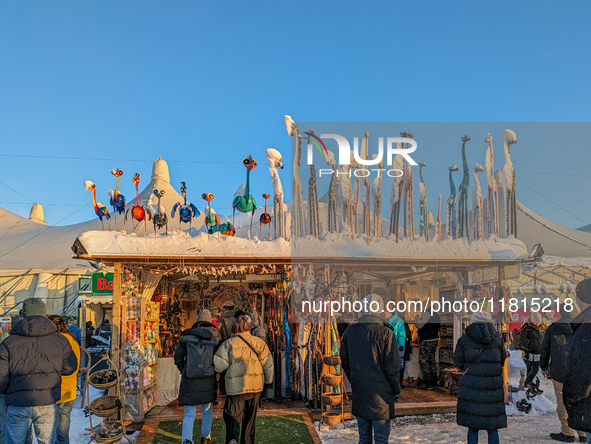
x,y
100,210
243,200
463,208
187,211
118,201
138,212
160,217
265,218
212,221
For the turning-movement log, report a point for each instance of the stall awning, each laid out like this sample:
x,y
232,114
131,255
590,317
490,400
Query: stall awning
x,y
94,299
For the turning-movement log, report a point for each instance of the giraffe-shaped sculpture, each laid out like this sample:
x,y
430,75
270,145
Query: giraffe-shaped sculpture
x,y
509,182
492,190
463,207
376,194
450,213
313,196
478,204
275,161
423,207
408,195
396,191
344,192
297,211
438,222
332,198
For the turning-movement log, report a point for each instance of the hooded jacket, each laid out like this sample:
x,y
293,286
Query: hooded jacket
x,y
530,339
225,323
481,354
371,361
33,360
247,370
577,379
203,390
556,346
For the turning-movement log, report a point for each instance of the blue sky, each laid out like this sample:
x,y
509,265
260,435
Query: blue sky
x,y
210,82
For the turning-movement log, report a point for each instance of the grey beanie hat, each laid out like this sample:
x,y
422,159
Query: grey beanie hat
x,y
535,318
584,291
33,307
204,316
480,316
370,307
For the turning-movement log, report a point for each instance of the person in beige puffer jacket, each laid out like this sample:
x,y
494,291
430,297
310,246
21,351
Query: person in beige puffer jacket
x,y
249,366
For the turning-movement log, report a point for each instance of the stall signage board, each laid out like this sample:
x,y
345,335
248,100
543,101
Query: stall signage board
x,y
102,283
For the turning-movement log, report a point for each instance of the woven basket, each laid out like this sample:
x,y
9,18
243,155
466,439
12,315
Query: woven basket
x,y
332,418
108,385
332,380
111,438
332,398
332,360
109,400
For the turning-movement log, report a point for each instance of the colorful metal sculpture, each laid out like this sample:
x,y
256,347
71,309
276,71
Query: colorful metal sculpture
x,y
212,221
423,207
138,212
265,218
187,211
509,183
117,199
243,200
463,207
160,217
492,190
478,204
100,210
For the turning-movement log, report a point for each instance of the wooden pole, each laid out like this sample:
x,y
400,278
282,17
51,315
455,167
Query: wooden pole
x,y
506,386
116,327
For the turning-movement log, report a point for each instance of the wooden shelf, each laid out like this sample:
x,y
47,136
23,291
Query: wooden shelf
x,y
152,320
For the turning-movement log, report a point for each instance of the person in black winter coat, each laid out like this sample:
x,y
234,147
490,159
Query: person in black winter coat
x,y
530,343
428,329
553,362
194,359
577,380
371,361
481,354
33,360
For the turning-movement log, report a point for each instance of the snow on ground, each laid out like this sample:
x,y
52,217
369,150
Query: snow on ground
x,y
442,429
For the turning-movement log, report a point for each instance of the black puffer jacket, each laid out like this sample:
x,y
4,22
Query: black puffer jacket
x,y
530,339
555,347
33,360
197,391
371,361
481,398
577,380
430,329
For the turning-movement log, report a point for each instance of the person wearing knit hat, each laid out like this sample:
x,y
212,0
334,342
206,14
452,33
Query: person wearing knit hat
x,y
480,353
480,316
371,360
577,381
530,343
194,359
33,307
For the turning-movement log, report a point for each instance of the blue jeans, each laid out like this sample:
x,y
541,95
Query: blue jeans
x,y
493,437
189,421
63,422
381,431
43,418
2,419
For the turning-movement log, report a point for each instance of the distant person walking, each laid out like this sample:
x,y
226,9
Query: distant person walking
x,y
530,342
481,354
194,359
69,385
249,366
577,380
73,328
33,360
3,407
371,361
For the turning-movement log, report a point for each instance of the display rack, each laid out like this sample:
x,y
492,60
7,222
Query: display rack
x,y
331,386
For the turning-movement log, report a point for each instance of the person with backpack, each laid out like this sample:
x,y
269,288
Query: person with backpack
x,y
481,354
248,364
194,359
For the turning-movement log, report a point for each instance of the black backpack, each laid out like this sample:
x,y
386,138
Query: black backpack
x,y
200,353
